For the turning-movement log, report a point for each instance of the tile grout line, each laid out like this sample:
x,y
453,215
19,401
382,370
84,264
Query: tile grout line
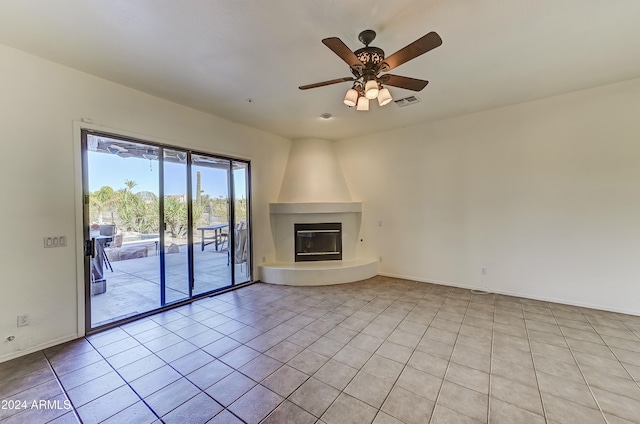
x,y
285,399
259,383
414,350
637,381
435,402
225,408
133,336
372,353
444,377
493,333
580,367
214,357
533,361
123,379
379,409
55,374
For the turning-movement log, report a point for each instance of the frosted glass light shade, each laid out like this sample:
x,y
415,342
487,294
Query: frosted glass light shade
x,y
384,97
371,89
351,99
363,104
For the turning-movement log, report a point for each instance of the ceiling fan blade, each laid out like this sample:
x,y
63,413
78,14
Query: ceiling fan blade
x,y
323,83
413,84
338,47
413,50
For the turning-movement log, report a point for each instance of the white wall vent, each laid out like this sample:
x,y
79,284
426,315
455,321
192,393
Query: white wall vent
x,y
407,101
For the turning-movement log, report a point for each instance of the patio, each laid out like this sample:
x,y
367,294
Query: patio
x,y
134,285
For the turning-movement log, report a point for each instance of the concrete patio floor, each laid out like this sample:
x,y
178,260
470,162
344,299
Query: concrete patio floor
x,y
134,285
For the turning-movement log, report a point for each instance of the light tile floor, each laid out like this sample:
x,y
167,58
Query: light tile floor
x,y
382,351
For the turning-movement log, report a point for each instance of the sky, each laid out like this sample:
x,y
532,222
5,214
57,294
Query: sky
x,y
112,170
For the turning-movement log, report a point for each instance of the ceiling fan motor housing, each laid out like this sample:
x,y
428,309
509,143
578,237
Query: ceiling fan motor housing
x,y
370,56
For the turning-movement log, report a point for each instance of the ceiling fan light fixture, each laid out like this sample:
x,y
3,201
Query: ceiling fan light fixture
x,y
363,104
371,89
384,97
351,98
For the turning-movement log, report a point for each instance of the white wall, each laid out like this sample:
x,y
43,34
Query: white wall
x,y
39,101
545,195
313,174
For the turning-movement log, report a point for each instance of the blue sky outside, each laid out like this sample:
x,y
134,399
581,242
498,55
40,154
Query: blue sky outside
x,y
112,170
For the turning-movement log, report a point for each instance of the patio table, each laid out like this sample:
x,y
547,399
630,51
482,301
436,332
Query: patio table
x,y
217,229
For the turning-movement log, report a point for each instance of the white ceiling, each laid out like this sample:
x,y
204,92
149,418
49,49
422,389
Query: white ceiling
x,y
214,55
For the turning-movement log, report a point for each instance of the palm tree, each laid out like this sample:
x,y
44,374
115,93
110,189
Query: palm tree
x,y
103,200
138,211
128,189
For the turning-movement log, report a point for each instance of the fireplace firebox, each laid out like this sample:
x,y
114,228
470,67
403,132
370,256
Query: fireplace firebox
x,y
318,242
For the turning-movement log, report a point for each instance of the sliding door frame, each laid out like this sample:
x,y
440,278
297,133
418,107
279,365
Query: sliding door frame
x,y
81,130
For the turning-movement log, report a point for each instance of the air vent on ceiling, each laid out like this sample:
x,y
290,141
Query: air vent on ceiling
x,y
407,101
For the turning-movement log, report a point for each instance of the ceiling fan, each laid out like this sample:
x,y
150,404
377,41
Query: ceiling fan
x,y
367,63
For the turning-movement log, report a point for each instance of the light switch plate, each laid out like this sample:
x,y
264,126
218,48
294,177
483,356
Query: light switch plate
x,y
55,241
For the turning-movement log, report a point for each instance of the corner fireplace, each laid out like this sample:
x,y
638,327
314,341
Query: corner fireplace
x,y
318,242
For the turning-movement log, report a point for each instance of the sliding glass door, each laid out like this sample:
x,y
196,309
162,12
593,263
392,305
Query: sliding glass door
x,y
241,242
174,210
121,183
162,225
211,216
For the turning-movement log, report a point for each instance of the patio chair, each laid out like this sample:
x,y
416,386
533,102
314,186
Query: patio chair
x,y
106,260
111,251
241,241
223,238
115,243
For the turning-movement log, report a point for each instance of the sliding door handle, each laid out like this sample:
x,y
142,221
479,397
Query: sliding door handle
x,y
90,247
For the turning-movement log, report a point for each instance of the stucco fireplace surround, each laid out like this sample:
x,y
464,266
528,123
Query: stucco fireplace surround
x,y
314,191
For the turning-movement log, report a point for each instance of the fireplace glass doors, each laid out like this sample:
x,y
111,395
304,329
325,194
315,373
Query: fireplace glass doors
x,y
318,242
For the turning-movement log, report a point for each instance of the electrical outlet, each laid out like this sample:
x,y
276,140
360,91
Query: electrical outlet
x,y
484,271
23,320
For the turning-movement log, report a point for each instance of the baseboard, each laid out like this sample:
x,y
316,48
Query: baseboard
x,y
42,346
515,294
